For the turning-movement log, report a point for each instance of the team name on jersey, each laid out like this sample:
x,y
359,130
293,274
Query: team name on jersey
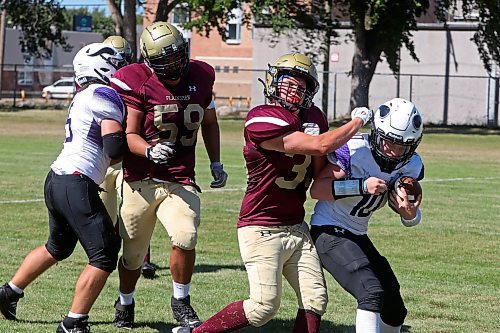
x,y
178,98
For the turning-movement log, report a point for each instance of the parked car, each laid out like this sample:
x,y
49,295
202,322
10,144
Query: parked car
x,y
60,89
25,82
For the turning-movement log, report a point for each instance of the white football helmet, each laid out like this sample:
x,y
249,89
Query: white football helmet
x,y
96,62
397,121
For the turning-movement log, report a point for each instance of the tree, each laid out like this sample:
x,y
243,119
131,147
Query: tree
x,y
380,28
125,23
41,22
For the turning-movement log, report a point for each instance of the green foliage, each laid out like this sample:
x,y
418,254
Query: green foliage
x,y
100,22
41,22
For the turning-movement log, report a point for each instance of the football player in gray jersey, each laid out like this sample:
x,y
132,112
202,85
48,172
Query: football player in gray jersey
x,y
350,188
94,136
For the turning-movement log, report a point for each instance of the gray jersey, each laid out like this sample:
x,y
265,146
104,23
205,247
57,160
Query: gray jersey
x,y
356,160
83,148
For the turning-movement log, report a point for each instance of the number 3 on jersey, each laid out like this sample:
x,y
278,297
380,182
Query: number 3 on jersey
x,y
300,169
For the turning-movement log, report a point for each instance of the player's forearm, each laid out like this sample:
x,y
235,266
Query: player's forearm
x,y
334,139
136,144
211,138
321,189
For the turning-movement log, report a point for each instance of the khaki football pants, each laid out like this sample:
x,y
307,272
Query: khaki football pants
x,y
112,190
272,252
177,207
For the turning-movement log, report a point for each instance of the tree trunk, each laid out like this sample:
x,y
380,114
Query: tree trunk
x,y
326,74
129,25
116,16
364,62
164,8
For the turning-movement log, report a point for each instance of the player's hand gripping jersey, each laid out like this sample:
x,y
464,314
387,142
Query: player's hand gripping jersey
x,y
277,182
356,160
83,148
171,114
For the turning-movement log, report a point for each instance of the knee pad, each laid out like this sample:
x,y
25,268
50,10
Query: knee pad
x,y
133,262
185,240
372,301
106,259
259,314
60,253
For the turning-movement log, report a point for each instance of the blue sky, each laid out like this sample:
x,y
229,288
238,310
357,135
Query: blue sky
x,y
101,4
84,3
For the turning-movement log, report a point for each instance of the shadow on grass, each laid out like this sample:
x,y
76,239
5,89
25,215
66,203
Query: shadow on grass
x,y
274,326
203,268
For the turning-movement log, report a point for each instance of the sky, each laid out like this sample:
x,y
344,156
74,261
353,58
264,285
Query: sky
x,y
71,4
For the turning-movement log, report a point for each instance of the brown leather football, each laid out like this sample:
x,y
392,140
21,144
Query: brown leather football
x,y
411,185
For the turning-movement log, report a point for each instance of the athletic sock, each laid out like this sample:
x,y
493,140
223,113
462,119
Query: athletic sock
x,y
384,328
15,288
180,290
367,321
126,299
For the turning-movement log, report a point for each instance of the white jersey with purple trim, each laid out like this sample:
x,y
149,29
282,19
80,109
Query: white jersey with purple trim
x,y
83,148
356,159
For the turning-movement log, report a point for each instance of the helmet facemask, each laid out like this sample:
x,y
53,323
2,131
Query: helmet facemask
x,y
291,95
171,64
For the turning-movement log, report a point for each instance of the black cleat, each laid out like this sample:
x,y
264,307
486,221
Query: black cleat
x,y
79,326
148,270
184,312
8,302
124,315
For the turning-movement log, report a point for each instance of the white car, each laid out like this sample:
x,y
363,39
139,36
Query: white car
x,y
63,88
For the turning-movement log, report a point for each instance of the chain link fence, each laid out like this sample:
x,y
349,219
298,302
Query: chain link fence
x,y
443,100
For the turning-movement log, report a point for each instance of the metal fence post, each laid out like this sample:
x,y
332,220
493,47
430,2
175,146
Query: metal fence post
x,y
495,115
14,91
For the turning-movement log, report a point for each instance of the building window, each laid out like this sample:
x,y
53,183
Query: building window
x,y
180,14
234,27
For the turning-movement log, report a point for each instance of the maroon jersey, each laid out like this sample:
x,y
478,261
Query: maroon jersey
x,y
171,114
277,182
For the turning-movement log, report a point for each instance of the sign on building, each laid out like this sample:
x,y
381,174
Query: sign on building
x,y
82,23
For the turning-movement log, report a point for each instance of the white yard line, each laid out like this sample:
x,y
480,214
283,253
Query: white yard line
x,y
238,189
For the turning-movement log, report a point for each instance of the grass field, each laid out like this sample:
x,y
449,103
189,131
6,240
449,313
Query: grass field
x,y
448,266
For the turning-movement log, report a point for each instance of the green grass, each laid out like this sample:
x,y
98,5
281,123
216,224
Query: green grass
x,y
448,266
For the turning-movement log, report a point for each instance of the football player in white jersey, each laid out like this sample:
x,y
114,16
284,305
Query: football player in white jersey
x,y
350,188
94,136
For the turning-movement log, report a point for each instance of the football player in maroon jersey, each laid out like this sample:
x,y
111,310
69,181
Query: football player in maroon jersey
x,y
168,98
114,175
284,146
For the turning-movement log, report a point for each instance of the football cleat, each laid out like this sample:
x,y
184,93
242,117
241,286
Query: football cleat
x,y
148,270
80,326
8,302
182,329
124,315
184,313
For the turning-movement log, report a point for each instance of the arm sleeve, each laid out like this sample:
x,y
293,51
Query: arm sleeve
x,y
342,158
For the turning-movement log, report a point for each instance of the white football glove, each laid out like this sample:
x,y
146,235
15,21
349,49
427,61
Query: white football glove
x,y
161,153
220,176
362,113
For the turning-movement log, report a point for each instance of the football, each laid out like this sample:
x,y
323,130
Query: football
x,y
411,185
